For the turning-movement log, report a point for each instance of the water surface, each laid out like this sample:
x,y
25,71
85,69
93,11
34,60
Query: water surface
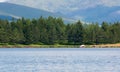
x,y
59,60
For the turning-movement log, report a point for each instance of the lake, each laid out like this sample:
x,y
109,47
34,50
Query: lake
x,y
59,60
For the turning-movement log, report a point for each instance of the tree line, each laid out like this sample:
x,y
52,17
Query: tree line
x,y
52,31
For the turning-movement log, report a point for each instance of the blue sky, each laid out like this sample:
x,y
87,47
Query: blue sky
x,y
64,5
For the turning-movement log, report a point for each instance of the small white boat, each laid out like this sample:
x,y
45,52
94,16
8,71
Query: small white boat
x,y
82,46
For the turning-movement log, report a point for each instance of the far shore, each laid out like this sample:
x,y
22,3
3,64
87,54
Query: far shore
x,y
61,46
117,45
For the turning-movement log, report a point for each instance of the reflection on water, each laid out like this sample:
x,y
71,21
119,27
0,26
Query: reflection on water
x,y
77,60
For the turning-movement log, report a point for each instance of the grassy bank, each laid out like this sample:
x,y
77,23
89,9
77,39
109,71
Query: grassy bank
x,y
39,46
117,45
59,46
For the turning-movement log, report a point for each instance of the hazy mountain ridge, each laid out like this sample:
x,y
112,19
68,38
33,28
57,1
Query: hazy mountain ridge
x,y
5,17
23,11
97,14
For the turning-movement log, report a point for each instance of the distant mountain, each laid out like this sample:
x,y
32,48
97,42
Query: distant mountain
x,y
18,11
97,14
5,17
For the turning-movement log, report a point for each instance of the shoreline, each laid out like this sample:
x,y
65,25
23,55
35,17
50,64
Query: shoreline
x,y
39,46
61,46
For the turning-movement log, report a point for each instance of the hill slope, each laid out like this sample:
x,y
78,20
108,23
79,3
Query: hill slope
x,y
97,14
18,11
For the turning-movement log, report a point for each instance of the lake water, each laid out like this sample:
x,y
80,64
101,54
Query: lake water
x,y
59,60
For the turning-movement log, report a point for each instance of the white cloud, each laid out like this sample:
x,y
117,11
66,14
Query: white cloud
x,y
50,5
65,5
111,3
3,0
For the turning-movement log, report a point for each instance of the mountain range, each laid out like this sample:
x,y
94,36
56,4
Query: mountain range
x,y
98,13
18,11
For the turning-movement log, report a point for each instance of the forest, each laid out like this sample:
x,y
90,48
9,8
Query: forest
x,y
50,31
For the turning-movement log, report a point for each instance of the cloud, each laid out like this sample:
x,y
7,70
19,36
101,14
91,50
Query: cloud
x,y
50,5
3,0
111,3
65,6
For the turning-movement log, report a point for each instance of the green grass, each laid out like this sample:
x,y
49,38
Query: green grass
x,y
6,45
37,46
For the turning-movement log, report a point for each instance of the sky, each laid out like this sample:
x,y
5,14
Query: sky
x,y
64,6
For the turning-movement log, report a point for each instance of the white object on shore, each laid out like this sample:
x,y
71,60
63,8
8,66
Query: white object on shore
x,y
82,46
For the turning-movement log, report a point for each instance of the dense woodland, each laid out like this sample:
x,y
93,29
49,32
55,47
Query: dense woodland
x,y
54,31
